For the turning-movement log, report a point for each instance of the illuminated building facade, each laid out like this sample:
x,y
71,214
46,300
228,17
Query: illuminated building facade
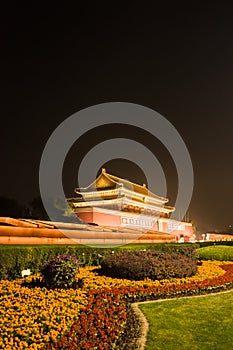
x,y
115,202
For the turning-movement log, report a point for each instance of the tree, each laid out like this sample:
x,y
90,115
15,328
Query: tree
x,y
59,210
37,210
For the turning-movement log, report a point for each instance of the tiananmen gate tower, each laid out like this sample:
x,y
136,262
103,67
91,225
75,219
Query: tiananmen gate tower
x,y
115,202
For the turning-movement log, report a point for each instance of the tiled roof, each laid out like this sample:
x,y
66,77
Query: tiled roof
x,y
108,181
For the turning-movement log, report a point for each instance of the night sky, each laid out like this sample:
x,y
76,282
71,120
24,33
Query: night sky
x,y
175,60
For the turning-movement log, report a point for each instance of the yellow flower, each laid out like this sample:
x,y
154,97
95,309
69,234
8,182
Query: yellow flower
x,y
44,315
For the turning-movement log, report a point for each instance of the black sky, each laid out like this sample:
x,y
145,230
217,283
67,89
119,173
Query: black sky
x,y
175,60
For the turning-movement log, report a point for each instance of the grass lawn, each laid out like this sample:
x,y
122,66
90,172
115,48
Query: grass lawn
x,y
198,323
216,252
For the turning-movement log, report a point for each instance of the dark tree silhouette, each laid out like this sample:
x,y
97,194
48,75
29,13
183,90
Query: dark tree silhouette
x,y
37,210
60,210
11,207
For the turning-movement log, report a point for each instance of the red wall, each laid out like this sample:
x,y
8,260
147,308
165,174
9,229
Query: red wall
x,y
105,219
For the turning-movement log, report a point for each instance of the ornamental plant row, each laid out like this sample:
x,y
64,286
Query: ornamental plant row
x,y
103,321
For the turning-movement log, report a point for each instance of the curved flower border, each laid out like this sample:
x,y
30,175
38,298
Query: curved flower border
x,y
102,324
100,315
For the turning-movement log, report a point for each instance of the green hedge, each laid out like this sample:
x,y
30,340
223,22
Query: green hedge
x,y
15,258
216,252
210,243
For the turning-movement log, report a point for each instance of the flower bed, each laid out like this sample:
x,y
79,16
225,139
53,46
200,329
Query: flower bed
x,y
31,316
207,270
94,317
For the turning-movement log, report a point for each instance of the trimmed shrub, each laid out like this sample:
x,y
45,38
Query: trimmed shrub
x,y
186,250
156,265
216,252
61,272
